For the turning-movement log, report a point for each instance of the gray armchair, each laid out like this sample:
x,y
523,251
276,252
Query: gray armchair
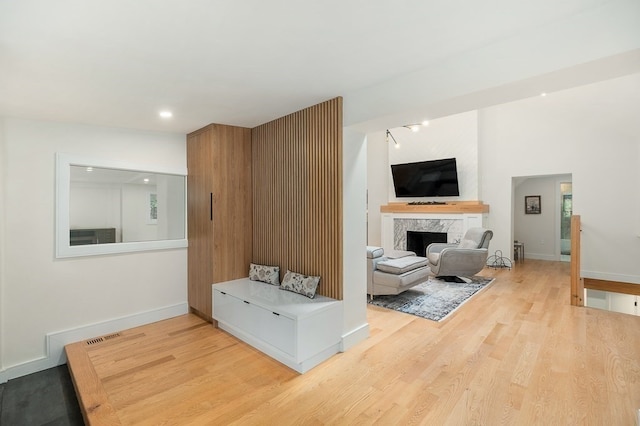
x,y
453,262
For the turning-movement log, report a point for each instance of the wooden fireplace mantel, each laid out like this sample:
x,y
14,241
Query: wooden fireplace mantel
x,y
449,207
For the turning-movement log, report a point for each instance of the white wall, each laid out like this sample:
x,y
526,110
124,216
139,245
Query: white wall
x,y
539,232
41,294
455,136
588,132
354,237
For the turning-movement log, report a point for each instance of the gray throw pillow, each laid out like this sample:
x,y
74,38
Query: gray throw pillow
x,y
264,273
305,285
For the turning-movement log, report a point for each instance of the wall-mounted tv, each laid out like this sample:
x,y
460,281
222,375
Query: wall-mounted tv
x,y
435,178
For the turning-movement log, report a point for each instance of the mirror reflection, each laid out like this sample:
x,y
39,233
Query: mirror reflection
x,y
120,206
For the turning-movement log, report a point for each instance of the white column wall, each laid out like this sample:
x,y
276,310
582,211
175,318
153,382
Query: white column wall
x,y
42,295
354,234
377,184
3,215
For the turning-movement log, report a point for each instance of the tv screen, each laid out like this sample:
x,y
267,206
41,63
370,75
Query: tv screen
x,y
435,178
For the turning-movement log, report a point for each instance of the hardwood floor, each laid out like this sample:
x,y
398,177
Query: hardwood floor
x,y
516,354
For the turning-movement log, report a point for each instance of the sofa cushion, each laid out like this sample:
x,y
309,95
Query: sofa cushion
x,y
402,281
397,254
402,265
374,252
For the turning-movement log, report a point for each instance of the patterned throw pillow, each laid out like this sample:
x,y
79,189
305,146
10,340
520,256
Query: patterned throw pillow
x,y
305,285
264,273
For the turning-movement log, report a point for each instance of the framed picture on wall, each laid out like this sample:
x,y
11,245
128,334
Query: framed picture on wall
x,y
532,204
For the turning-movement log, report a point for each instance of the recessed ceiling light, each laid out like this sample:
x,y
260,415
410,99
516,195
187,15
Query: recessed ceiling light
x,y
166,114
146,180
543,94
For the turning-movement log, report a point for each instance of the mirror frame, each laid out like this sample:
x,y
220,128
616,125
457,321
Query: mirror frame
x,y
64,248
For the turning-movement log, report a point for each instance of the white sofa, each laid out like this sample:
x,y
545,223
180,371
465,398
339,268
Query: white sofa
x,y
394,272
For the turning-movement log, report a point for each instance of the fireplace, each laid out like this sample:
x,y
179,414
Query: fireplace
x,y
417,241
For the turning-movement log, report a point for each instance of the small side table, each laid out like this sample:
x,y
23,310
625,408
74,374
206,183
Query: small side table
x,y
518,251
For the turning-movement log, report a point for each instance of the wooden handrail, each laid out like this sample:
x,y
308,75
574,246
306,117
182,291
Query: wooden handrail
x,y
577,284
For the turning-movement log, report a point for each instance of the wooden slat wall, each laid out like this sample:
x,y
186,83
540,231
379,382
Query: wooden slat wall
x,y
297,194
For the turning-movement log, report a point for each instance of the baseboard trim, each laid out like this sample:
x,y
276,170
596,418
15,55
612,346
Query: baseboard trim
x,y
537,256
355,336
56,341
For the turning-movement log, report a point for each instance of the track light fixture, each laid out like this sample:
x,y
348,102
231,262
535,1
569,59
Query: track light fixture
x,y
412,127
397,145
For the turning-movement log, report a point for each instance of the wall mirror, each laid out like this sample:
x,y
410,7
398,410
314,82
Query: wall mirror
x,y
105,207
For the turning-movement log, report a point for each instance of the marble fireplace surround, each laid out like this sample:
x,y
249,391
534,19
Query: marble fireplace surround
x,y
451,227
395,226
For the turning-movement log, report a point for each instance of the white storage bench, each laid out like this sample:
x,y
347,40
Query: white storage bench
x,y
291,328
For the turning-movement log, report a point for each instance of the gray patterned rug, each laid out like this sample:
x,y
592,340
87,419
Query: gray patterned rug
x,y
434,299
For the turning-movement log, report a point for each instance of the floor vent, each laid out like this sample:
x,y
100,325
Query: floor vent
x,y
111,336
102,339
94,341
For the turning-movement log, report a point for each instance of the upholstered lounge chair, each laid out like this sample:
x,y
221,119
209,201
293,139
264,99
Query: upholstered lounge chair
x,y
458,262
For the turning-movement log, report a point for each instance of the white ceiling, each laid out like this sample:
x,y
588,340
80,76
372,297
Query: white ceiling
x,y
119,62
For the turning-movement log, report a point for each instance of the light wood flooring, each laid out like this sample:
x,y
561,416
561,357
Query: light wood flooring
x,y
515,354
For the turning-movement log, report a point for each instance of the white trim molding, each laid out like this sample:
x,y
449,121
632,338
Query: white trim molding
x,y
353,337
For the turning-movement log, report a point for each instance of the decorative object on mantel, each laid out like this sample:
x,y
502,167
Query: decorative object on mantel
x,y
435,299
412,127
532,204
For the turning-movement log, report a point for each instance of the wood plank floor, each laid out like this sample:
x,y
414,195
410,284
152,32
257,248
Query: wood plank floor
x,y
516,354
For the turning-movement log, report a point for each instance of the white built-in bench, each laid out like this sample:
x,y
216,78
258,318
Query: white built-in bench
x,y
291,328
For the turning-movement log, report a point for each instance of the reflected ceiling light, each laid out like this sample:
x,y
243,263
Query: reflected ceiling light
x,y
89,169
543,94
146,180
166,114
425,123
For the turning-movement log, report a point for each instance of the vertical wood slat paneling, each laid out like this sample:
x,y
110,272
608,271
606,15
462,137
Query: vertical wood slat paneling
x,y
297,194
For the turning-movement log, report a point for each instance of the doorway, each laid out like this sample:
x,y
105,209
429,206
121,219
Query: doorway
x,y
566,210
543,231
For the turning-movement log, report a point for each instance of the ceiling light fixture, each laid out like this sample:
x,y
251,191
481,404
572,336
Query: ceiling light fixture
x,y
397,145
89,169
166,114
413,127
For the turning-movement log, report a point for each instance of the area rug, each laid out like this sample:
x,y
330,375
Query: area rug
x,y
434,299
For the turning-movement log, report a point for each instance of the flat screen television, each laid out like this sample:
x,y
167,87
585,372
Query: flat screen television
x,y
434,178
